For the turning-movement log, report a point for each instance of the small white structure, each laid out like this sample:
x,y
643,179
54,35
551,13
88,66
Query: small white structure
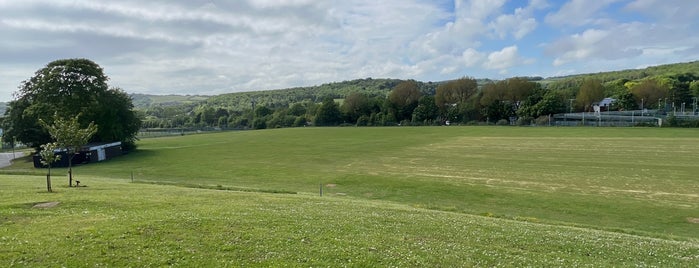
x,y
102,151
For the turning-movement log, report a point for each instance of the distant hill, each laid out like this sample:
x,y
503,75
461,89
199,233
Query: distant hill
x,y
142,101
633,74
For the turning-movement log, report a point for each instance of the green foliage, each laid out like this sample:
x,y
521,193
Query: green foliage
x,y
454,92
259,123
649,93
69,135
328,114
591,91
403,99
48,156
462,100
355,105
426,110
68,88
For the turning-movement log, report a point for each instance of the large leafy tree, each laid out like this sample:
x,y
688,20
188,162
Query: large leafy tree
x,y
67,88
650,93
355,105
328,114
403,99
591,91
454,93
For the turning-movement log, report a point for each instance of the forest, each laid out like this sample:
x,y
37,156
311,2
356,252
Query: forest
x,y
391,102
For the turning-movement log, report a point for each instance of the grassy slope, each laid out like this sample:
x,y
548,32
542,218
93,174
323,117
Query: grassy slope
x,y
632,180
638,180
116,223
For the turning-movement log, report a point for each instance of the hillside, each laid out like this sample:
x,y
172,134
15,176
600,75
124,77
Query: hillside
x,y
519,100
143,101
634,74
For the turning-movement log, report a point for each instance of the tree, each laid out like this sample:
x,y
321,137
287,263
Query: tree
x,y
67,88
48,156
494,101
425,111
590,91
650,93
519,90
455,92
70,136
355,105
403,99
328,114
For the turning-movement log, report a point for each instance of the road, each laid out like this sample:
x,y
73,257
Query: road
x,y
6,158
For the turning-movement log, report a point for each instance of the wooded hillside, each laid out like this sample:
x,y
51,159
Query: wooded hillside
x,y
368,101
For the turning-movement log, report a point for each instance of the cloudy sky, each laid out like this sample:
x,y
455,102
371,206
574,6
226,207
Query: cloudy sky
x,y
213,47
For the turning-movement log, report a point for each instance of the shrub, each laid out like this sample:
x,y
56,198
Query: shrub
x,y
259,123
502,122
524,121
542,121
363,121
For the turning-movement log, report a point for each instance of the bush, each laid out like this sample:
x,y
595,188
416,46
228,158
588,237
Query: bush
x,y
363,121
259,123
299,122
502,122
524,121
542,121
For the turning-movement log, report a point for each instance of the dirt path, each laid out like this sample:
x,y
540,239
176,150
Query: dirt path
x,y
6,158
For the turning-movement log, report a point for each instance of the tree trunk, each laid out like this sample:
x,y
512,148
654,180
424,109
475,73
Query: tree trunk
x,y
70,171
48,180
70,177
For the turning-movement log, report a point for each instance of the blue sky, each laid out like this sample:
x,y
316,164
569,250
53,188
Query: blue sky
x,y
214,47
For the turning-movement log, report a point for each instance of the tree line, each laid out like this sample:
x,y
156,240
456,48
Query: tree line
x,y
517,100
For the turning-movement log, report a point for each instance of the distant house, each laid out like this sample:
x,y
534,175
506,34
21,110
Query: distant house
x,y
605,104
90,153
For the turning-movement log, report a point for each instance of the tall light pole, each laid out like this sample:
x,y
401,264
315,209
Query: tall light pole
x,y
642,99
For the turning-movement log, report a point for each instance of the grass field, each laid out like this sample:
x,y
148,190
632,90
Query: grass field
x,y
435,196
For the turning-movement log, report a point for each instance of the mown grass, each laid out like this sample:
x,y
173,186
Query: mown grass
x,y
116,223
599,196
635,180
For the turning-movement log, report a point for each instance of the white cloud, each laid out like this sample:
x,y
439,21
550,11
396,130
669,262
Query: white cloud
x,y
518,24
224,46
623,42
504,59
579,12
472,57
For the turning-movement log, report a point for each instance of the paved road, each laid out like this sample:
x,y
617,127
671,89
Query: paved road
x,y
6,158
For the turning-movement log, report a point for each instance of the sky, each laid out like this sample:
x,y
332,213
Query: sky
x,y
214,47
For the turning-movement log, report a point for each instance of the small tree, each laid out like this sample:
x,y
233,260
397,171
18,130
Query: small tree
x,y
70,136
48,156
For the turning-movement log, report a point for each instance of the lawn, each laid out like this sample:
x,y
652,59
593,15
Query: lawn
x,y
532,194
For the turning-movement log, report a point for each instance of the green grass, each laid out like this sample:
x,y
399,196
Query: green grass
x,y
392,197
117,223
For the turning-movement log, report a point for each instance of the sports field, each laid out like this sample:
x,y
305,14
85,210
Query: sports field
x,y
437,196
